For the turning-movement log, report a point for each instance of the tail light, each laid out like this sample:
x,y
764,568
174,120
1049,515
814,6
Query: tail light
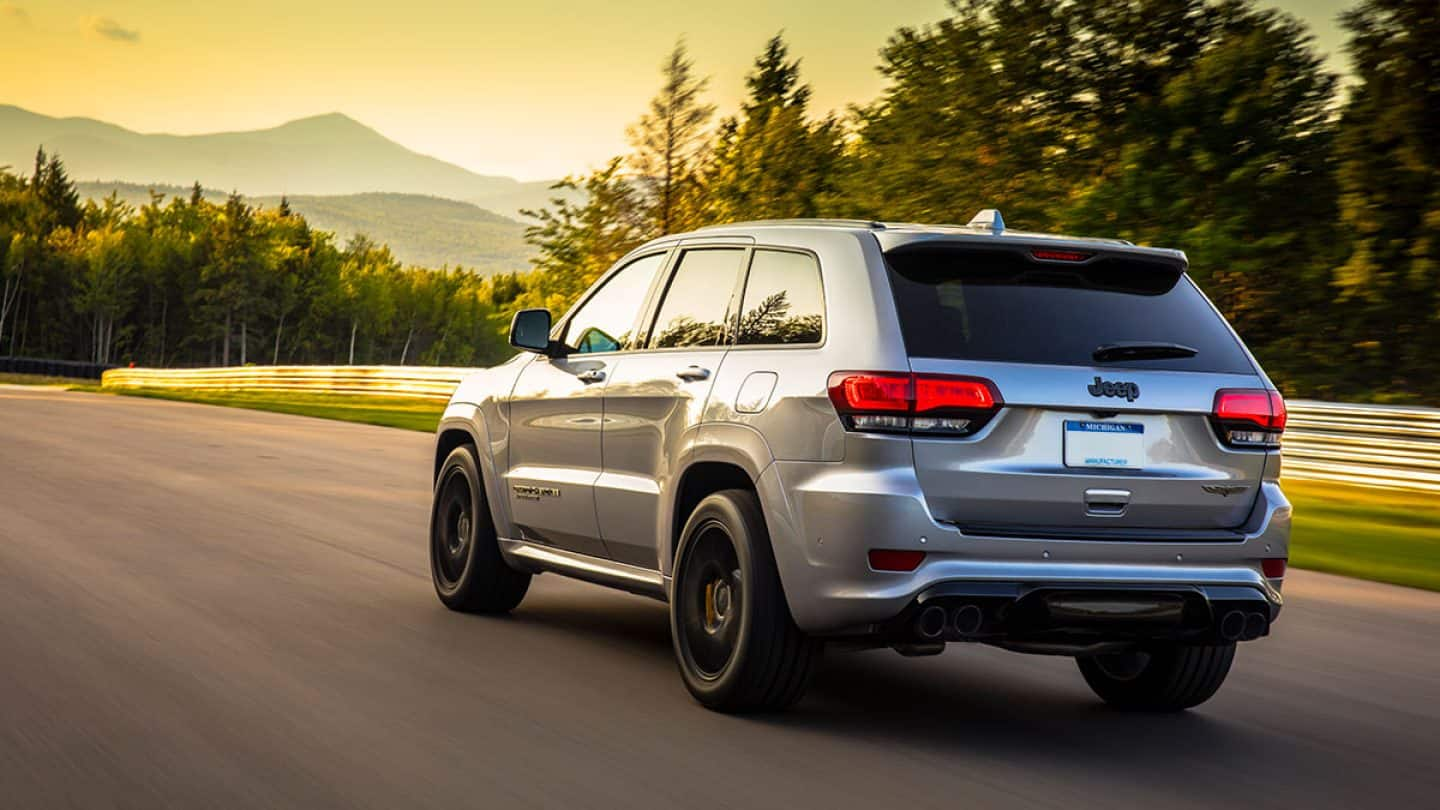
x,y
1274,567
1249,417
931,404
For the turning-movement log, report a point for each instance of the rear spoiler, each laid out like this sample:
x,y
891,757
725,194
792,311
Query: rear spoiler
x,y
1040,248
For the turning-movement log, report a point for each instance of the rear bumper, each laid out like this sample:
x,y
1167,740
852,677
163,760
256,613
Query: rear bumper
x,y
1065,618
824,518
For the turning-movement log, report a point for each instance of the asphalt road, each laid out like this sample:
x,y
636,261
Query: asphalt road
x,y
209,607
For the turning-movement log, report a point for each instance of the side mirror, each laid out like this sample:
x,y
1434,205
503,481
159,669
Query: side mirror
x,y
530,330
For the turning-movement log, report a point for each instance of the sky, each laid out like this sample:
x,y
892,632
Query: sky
x,y
534,90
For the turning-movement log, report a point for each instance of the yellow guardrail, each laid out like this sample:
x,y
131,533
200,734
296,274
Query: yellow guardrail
x,y
421,382
1368,445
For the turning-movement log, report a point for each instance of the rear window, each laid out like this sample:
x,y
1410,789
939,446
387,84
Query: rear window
x,y
1000,305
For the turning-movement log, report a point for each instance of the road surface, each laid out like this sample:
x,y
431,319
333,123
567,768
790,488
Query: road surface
x,y
210,607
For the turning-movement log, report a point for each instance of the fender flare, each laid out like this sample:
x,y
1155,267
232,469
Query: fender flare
x,y
470,418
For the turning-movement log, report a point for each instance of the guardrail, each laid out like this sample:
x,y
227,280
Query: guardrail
x,y
421,382
1369,445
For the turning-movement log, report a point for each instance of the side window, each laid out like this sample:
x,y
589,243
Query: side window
x,y
698,298
603,323
783,300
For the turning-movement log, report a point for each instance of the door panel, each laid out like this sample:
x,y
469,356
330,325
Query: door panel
x,y
555,427
657,396
557,409
649,408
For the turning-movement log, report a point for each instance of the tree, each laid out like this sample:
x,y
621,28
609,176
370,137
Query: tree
x,y
978,112
576,242
667,142
770,161
104,285
1389,156
365,269
57,195
231,277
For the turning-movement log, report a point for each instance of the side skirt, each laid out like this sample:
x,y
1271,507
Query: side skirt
x,y
539,559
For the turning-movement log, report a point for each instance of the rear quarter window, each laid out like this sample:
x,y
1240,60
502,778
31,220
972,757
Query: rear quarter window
x,y
1001,305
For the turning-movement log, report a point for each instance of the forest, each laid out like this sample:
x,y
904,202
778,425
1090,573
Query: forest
x,y
1309,207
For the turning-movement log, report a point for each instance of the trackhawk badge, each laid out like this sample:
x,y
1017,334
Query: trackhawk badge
x,y
1223,490
532,493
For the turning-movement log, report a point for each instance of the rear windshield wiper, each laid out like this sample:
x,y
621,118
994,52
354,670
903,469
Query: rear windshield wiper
x,y
1140,350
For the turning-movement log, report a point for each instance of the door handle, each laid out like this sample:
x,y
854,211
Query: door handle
x,y
693,373
594,375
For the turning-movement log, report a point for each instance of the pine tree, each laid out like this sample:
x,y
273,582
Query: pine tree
x,y
668,141
771,162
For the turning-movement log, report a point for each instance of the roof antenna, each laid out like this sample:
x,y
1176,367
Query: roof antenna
x,y
988,220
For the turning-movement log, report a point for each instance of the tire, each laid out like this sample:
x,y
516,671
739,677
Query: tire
x,y
465,563
1161,678
735,642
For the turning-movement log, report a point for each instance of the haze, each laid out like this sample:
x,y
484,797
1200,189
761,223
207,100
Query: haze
x,y
531,90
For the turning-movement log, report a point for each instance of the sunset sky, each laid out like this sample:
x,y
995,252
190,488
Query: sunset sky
x,y
533,90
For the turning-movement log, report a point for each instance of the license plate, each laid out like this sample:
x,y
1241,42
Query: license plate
x,y
1116,445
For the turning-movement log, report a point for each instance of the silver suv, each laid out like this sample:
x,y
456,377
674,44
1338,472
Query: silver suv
x,y
875,434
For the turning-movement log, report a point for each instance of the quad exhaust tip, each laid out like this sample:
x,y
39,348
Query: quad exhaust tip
x,y
930,624
967,620
1241,626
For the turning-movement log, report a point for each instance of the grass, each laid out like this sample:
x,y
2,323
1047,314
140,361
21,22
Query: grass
x,y
397,412
1375,534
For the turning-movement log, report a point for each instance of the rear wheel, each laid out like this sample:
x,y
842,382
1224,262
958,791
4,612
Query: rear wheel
x,y
736,644
1160,677
465,562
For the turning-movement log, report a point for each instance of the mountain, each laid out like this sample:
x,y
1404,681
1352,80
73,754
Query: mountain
x,y
428,231
324,155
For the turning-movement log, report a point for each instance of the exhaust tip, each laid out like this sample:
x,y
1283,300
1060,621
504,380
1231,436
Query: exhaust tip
x,y
1254,626
1233,625
930,624
967,620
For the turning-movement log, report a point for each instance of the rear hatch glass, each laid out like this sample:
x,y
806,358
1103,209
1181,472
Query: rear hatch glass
x,y
1002,305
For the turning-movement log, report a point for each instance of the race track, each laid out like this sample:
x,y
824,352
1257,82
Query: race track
x,y
210,607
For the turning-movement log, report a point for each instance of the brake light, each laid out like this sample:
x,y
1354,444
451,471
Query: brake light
x,y
1060,255
887,559
1249,417
934,404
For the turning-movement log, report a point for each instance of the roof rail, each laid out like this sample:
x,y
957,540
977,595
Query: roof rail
x,y
813,221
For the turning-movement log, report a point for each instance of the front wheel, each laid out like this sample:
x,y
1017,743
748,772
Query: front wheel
x,y
1159,678
469,573
737,646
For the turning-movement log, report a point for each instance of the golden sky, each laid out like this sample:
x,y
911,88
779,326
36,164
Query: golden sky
x,y
532,89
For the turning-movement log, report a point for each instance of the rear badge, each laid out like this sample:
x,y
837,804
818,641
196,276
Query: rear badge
x,y
1129,390
1223,490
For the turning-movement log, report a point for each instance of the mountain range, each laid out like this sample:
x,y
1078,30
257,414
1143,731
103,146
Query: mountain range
x,y
342,175
324,154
